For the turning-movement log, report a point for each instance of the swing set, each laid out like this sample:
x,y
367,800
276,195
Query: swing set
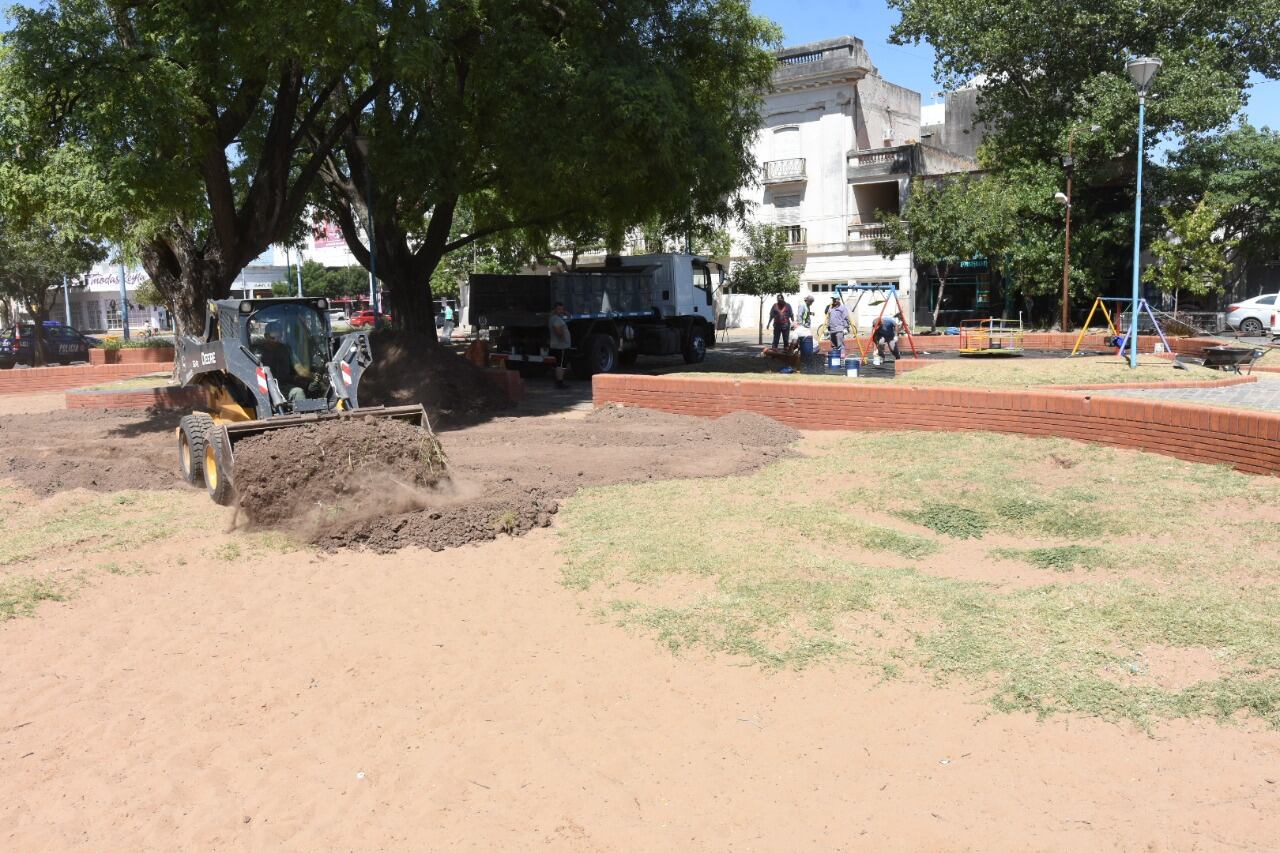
x,y
1118,338
882,295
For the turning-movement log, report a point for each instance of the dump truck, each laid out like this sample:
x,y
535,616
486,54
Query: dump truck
x,y
658,304
267,364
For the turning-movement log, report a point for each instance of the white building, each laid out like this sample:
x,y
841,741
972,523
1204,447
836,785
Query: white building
x,y
839,143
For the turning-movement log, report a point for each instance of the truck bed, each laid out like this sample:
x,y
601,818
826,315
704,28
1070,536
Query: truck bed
x,y
527,300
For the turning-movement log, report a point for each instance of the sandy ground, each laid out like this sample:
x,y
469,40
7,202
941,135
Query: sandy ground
x,y
465,700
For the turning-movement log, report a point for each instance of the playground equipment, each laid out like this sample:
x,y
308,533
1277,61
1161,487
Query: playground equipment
x,y
889,293
1118,338
991,337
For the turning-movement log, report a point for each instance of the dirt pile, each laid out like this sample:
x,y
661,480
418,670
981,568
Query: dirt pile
x,y
451,520
335,471
753,429
410,368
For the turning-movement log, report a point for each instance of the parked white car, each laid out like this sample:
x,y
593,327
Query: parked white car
x,y
1252,315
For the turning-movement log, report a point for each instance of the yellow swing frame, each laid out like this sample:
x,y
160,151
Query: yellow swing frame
x,y
1097,303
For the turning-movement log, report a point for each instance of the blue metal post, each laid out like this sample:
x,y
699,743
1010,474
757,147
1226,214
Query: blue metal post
x,y
1137,230
66,299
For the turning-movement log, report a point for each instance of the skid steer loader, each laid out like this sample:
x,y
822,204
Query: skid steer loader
x,y
267,364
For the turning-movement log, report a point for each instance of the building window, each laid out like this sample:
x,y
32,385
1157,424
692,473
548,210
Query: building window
x,y
113,315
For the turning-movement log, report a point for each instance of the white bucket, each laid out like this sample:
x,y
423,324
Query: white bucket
x,y
1159,348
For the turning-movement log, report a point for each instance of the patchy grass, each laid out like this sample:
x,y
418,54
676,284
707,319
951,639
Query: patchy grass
x,y
34,529
1030,372
20,594
798,579
1059,558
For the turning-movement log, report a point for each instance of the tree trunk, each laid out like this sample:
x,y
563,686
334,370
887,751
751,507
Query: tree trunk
x,y
937,306
187,277
412,306
760,338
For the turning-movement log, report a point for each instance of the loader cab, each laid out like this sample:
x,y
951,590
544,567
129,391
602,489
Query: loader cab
x,y
292,339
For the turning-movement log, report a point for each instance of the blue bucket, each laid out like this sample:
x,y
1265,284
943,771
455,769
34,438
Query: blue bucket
x,y
851,367
834,361
806,347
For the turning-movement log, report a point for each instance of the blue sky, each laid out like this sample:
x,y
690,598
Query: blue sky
x,y
912,66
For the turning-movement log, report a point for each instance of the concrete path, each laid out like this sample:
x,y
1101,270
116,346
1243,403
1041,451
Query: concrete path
x,y
1263,394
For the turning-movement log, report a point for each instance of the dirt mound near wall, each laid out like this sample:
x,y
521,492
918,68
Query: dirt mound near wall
x,y
333,472
410,368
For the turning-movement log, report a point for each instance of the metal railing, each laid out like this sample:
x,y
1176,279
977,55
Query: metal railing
x,y
862,237
802,58
878,158
796,235
779,171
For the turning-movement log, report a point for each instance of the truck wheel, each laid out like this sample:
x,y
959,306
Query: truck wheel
x,y
601,356
217,470
695,348
193,434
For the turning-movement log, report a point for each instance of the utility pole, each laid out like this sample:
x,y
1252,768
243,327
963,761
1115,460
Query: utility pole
x,y
66,298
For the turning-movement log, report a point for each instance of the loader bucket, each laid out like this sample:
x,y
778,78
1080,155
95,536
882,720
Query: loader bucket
x,y
413,415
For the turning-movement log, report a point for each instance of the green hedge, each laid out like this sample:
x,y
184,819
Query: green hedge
x,y
136,343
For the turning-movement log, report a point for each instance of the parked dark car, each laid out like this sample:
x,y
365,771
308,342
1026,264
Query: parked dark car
x,y
62,345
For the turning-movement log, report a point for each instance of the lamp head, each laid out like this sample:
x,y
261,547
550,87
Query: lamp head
x,y
1141,70
1061,198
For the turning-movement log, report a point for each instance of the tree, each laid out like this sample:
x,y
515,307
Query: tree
x,y
1240,170
932,229
34,257
768,267
1190,256
1045,66
209,121
319,280
541,119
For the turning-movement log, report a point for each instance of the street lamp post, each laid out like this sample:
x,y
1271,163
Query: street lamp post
x,y
124,302
1141,71
1069,164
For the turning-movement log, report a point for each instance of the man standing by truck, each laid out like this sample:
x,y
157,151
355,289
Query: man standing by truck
x,y
561,342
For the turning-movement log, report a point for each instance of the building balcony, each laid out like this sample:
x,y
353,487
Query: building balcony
x,y
796,235
789,171
881,163
862,238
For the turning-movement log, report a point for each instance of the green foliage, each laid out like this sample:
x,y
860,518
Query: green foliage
x,y
1047,65
540,121
1189,256
319,280
198,121
1240,171
768,267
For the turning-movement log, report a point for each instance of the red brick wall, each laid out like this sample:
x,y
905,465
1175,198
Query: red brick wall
x,y
139,355
29,380
168,398
1248,441
906,365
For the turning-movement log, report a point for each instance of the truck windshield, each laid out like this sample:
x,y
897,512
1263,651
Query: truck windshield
x,y
702,280
291,340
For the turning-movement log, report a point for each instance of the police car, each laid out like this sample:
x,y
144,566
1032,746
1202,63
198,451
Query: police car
x,y
62,345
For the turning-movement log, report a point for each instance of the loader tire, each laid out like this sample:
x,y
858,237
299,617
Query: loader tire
x,y
193,434
217,470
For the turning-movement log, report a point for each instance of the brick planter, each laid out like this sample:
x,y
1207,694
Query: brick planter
x,y
907,365
35,379
1248,441
167,398
138,355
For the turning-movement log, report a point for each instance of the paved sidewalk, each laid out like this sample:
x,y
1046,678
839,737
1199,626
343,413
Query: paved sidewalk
x,y
1263,394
